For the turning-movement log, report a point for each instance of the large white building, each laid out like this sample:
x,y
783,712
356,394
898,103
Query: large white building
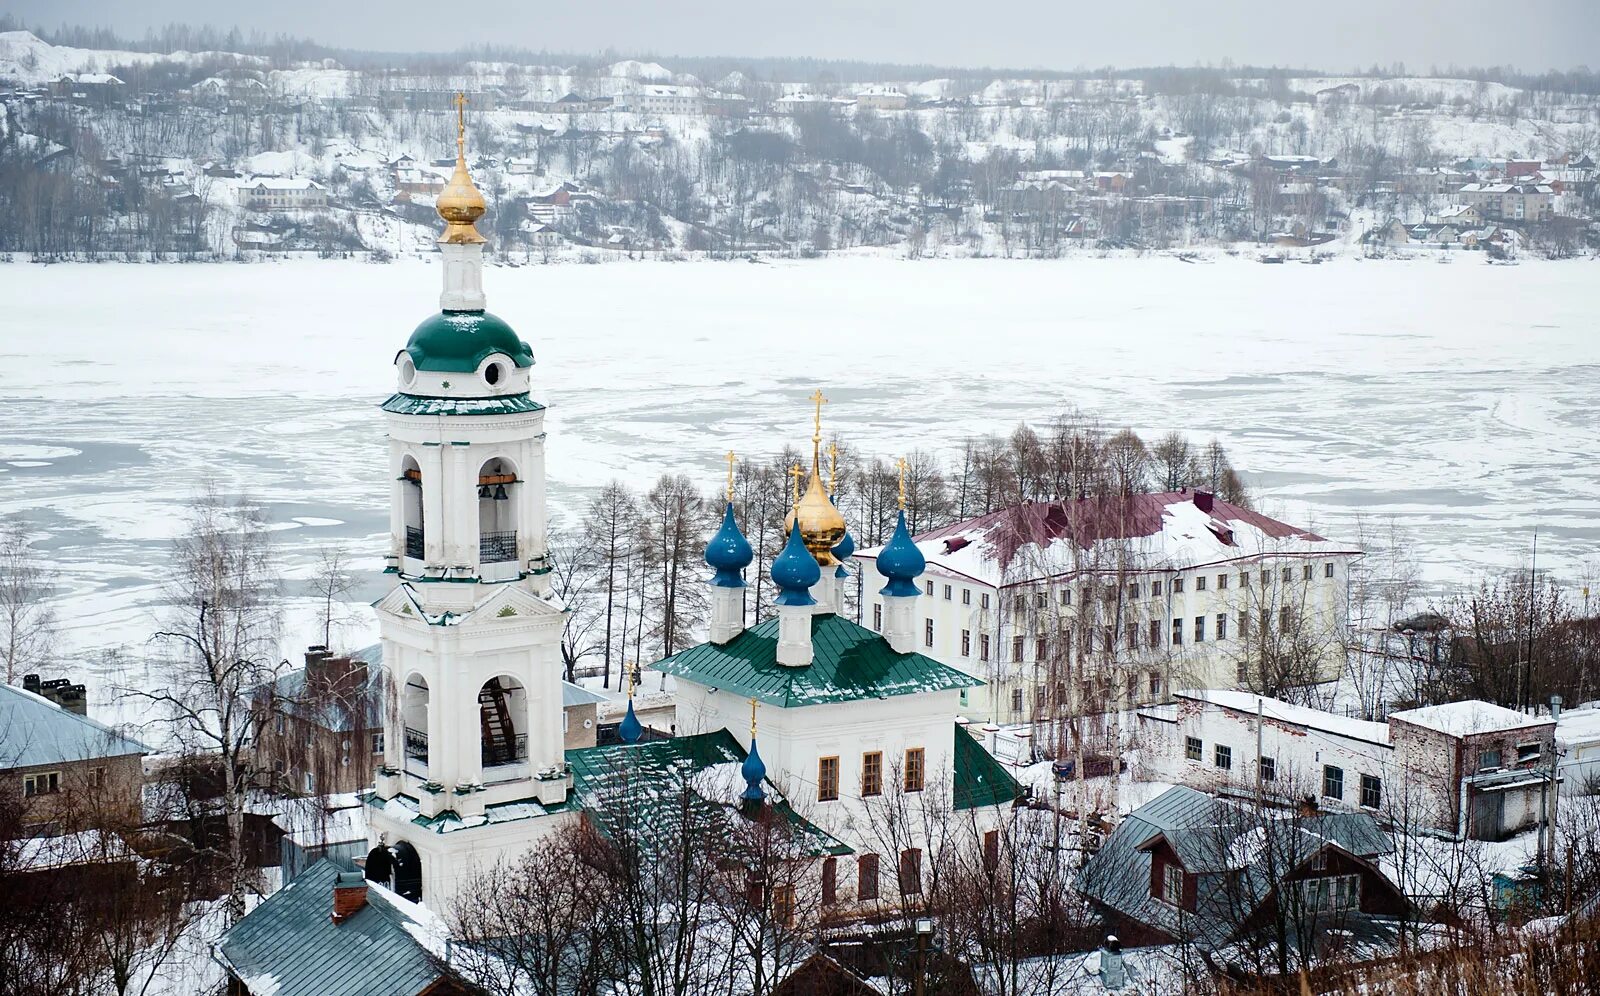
x,y
665,99
1116,602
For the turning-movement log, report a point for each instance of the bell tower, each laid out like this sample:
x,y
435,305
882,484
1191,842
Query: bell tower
x,y
471,634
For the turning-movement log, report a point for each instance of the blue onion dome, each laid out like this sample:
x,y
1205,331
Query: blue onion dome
x,y
754,771
842,552
794,571
729,553
901,562
630,729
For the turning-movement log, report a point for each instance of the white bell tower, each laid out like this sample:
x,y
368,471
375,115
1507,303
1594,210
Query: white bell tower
x,y
471,635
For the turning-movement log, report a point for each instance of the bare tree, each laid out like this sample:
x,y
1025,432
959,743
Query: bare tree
x,y
27,620
332,582
220,641
609,526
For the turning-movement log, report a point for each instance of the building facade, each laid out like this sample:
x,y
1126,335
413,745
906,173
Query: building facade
x,y
1114,603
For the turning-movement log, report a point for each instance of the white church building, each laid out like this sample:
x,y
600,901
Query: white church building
x,y
474,772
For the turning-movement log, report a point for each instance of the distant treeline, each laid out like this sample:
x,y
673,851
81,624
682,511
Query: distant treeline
x,y
284,50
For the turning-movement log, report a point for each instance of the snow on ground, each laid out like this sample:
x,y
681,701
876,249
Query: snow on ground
x,y
1458,399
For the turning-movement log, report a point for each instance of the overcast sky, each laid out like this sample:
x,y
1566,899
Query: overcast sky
x,y
1057,34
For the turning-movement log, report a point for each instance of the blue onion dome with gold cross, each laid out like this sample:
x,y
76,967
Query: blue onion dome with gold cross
x,y
901,562
795,571
728,553
754,771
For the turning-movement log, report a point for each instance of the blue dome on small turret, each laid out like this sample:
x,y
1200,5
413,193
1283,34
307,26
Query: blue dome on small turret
x,y
842,553
795,570
754,771
729,553
630,729
901,562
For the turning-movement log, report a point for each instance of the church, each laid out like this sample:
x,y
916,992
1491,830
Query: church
x,y
474,772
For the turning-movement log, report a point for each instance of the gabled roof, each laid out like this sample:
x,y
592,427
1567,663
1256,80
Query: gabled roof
x,y
640,788
35,731
1221,844
980,780
850,663
290,946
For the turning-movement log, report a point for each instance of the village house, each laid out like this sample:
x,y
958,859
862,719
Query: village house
x,y
1474,768
229,90
61,764
1189,868
88,88
1136,596
882,98
410,181
276,193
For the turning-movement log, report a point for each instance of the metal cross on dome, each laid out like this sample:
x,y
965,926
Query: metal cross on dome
x,y
833,464
461,122
794,490
731,459
900,465
818,400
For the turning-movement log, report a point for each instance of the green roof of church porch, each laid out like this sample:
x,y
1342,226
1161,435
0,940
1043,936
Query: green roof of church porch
x,y
850,663
980,780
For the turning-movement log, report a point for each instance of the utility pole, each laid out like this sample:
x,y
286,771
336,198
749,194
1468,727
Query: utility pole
x,y
1533,594
1258,752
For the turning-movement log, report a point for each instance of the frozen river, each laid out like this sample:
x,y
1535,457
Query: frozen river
x,y
1460,399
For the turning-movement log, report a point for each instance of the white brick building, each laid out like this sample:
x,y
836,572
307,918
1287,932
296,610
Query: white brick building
x,y
1118,601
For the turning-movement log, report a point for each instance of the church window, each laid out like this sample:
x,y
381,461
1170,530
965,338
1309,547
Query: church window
x,y
927,632
872,773
911,872
877,616
915,769
947,593
867,876
493,373
827,779
966,643
830,881
927,587
983,646
991,851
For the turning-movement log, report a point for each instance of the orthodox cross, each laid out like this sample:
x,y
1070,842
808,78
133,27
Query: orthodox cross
x,y
900,464
461,124
833,464
818,400
628,666
752,720
794,490
730,458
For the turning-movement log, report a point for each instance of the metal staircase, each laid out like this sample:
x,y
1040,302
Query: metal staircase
x,y
500,741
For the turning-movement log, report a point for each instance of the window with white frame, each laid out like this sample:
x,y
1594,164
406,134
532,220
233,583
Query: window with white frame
x,y
41,783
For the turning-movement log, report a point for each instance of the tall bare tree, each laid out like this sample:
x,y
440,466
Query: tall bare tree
x,y
27,620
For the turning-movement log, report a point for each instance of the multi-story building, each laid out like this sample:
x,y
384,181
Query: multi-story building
x,y
1509,201
277,193
1115,602
665,99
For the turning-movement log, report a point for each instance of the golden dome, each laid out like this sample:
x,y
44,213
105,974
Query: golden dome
x,y
460,204
821,525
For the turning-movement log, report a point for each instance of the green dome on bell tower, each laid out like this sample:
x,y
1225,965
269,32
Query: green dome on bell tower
x,y
458,341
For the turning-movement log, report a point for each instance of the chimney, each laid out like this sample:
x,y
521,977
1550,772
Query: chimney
x,y
1113,973
349,895
1555,708
1203,501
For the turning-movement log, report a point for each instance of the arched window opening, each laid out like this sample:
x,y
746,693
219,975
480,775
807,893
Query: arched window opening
x,y
411,503
407,871
497,513
502,707
414,712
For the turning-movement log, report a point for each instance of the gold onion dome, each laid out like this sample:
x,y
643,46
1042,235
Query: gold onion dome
x,y
461,204
821,525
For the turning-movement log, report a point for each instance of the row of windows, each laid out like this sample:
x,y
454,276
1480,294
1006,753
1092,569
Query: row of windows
x,y
913,774
1332,776
909,879
49,782
1041,599
1087,689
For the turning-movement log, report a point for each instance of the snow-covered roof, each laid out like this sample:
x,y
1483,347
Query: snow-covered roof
x,y
1288,712
93,79
1578,726
35,731
1174,530
1465,719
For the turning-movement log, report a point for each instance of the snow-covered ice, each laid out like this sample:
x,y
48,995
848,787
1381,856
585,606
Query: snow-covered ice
x,y
1458,399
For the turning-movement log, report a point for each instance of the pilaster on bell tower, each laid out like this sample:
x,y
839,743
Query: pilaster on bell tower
x,y
471,633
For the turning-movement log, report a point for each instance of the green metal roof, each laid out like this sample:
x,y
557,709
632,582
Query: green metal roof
x,y
980,779
850,663
289,945
411,404
458,341
649,787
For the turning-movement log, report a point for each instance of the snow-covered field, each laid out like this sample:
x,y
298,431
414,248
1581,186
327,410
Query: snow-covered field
x,y
1458,398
